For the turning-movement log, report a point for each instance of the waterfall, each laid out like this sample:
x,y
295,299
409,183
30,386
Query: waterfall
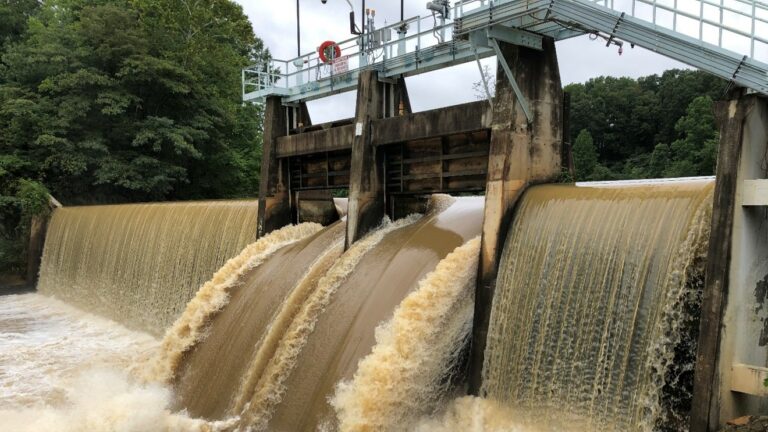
x,y
595,287
140,264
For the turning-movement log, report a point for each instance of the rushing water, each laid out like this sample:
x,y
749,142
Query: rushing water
x,y
594,286
140,264
418,354
289,334
592,327
65,370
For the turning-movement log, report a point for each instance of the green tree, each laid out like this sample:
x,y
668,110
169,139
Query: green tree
x,y
114,101
633,122
584,155
695,152
123,100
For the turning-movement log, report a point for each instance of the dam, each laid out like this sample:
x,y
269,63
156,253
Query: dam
x,y
464,284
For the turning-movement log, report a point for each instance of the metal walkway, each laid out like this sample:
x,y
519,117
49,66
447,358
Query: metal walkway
x,y
727,38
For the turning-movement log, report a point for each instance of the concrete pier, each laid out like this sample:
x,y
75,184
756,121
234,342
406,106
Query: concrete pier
x,y
733,332
366,186
274,196
521,154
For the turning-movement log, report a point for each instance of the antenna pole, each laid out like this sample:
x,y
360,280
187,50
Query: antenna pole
x,y
402,4
298,30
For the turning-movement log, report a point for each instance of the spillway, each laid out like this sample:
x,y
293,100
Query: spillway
x,y
593,325
300,322
140,264
594,316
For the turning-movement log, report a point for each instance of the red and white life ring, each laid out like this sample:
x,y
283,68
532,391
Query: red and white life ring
x,y
324,52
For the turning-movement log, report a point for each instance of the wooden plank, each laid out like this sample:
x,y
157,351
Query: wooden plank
x,y
333,139
465,118
447,157
446,175
749,380
754,192
324,126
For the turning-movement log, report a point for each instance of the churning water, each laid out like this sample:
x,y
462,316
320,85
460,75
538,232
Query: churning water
x,y
596,299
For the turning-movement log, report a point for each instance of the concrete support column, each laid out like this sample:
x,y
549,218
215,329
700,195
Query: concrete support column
x,y
375,100
37,230
402,102
730,324
277,205
274,195
521,153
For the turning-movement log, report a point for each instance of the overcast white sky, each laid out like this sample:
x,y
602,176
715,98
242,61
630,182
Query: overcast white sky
x,y
275,22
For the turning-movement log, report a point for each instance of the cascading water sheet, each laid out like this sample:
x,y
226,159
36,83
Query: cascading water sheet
x,y
140,264
596,294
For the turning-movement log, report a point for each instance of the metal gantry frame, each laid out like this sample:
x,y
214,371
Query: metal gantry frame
x,y
727,38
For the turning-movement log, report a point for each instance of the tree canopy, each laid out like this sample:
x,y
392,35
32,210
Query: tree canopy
x,y
125,100
655,126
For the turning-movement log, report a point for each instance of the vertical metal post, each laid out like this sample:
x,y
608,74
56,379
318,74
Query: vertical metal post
x,y
418,34
720,29
401,32
298,30
674,18
752,35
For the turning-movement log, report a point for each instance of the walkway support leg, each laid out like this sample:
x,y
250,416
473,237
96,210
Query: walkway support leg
x,y
725,336
274,195
376,99
521,153
366,190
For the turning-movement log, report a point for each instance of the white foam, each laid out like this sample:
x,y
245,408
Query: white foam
x,y
65,370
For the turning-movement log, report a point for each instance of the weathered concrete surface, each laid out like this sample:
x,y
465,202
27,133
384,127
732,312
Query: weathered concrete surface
x,y
705,406
337,138
37,231
520,154
734,312
366,189
274,197
452,120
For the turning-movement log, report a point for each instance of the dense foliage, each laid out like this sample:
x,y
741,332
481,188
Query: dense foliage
x,y
124,100
655,126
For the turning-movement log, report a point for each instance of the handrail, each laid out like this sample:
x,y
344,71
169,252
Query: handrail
x,y
717,28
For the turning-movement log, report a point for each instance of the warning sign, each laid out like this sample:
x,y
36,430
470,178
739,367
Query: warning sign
x,y
341,65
